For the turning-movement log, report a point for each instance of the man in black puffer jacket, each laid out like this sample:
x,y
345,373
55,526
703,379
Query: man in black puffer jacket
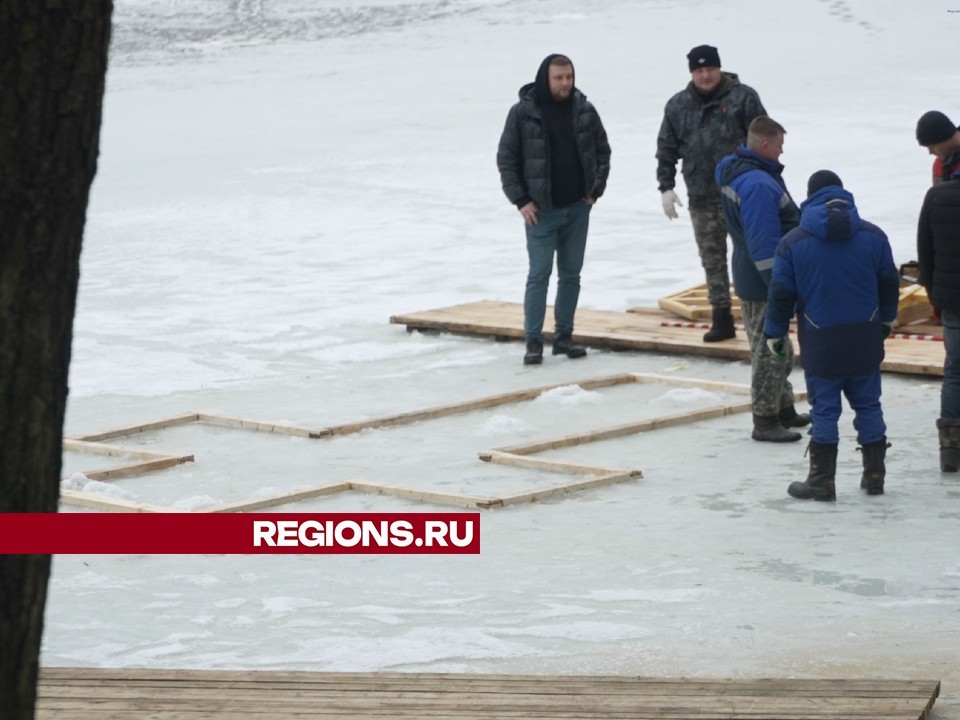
x,y
938,252
554,160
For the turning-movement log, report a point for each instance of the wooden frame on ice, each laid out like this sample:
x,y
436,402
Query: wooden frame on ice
x,y
514,456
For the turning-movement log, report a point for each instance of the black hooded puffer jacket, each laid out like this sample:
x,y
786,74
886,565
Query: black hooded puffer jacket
x,y
523,153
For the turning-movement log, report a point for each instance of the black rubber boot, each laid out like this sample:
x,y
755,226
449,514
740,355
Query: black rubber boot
x,y
874,469
949,431
722,328
563,345
820,484
769,429
790,418
534,354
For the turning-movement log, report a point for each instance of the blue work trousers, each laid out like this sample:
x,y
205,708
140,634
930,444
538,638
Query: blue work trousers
x,y
863,394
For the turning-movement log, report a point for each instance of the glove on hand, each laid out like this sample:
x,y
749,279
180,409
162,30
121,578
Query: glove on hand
x,y
669,199
776,346
886,328
936,314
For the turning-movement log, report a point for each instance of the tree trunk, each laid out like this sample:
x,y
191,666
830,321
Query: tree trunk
x,y
53,61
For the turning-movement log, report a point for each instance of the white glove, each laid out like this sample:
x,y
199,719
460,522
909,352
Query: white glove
x,y
669,199
776,346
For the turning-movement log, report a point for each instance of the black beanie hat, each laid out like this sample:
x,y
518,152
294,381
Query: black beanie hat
x,y
821,179
703,56
934,127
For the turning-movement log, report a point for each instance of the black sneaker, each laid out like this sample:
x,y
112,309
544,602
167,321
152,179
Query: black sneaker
x,y
565,346
534,354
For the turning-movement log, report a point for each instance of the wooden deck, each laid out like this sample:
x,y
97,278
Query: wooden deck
x,y
644,329
88,694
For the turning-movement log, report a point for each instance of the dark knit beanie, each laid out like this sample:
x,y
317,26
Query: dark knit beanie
x,y
821,179
703,56
934,127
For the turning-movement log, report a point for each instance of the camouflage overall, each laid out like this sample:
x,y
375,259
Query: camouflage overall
x,y
770,388
710,232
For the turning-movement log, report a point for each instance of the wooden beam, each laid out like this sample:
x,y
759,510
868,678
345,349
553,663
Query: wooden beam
x,y
109,449
78,498
483,403
499,457
294,496
413,494
139,468
566,489
261,426
714,385
128,430
93,694
629,429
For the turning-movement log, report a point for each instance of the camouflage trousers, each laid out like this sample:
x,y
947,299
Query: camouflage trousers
x,y
710,232
770,388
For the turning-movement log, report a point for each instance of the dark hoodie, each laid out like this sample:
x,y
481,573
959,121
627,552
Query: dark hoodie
x,y
531,164
566,170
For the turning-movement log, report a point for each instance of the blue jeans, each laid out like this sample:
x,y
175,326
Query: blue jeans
x,y
561,231
950,390
863,394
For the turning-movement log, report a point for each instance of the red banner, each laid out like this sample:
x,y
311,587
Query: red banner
x,y
239,533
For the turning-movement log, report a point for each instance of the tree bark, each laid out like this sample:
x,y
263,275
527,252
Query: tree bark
x,y
53,61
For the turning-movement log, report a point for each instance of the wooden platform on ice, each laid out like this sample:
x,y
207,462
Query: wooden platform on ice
x,y
648,329
88,694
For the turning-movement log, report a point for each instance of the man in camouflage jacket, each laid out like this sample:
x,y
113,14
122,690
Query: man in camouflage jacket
x,y
701,124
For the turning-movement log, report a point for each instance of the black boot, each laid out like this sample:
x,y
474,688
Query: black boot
x,y
722,328
790,418
874,469
819,484
534,355
949,431
769,429
563,345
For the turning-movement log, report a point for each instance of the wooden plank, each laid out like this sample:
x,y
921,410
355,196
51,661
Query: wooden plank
x,y
138,468
498,457
560,490
160,676
77,498
294,496
715,385
111,450
238,702
414,494
694,304
483,403
663,421
642,331
128,430
261,426
85,694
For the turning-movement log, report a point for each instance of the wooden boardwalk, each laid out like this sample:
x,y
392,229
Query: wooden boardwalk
x,y
643,329
103,694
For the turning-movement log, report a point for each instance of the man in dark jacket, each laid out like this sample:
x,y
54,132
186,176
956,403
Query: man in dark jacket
x,y
938,253
759,211
554,160
837,270
701,124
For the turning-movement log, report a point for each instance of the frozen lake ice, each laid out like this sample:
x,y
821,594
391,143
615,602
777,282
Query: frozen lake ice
x,y
278,178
